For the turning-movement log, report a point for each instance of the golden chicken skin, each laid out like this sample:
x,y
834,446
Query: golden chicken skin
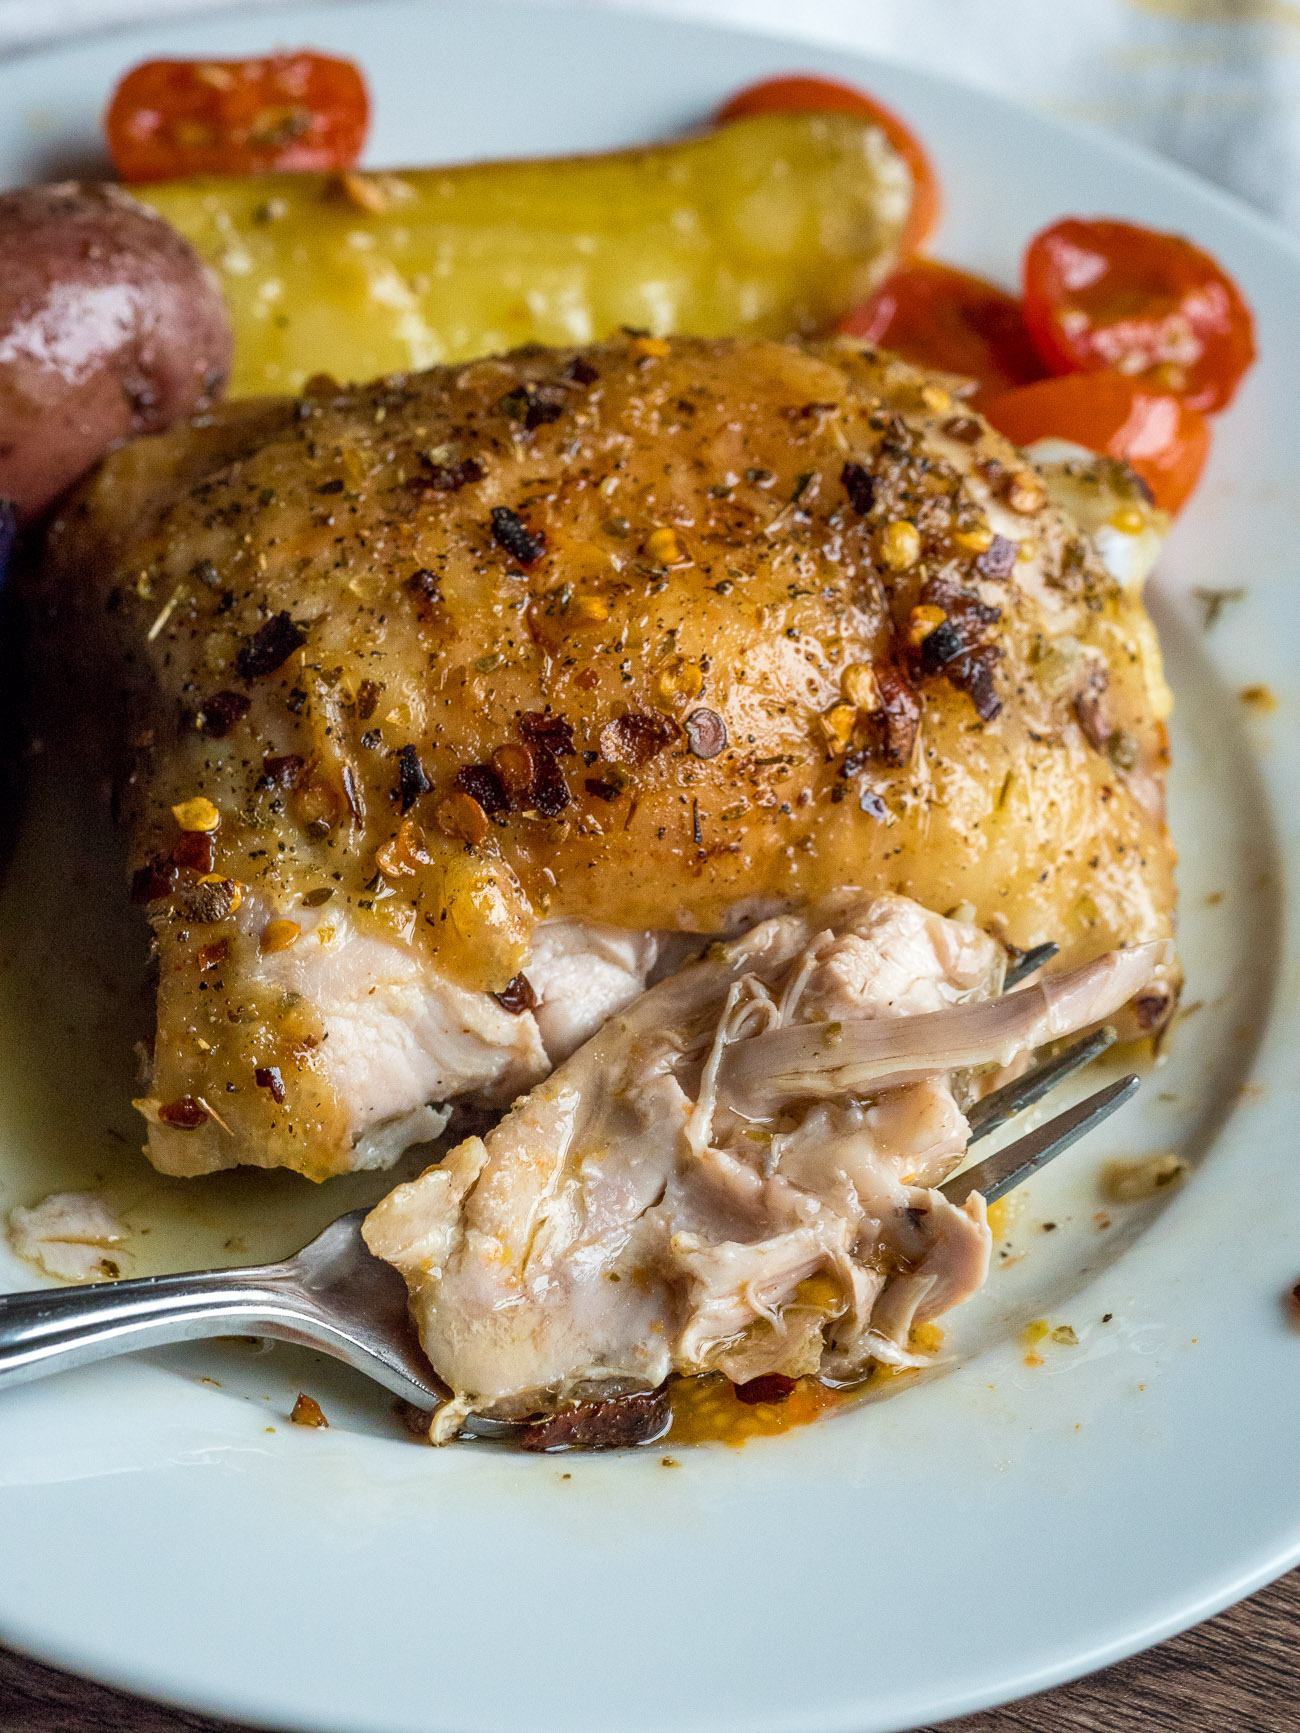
x,y
458,707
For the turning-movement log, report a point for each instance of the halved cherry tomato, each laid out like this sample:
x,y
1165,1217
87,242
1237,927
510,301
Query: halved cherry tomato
x,y
1102,294
805,93
1163,439
936,316
282,111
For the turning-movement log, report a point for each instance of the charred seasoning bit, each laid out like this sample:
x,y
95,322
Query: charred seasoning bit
x,y
153,881
517,997
963,428
706,733
221,712
461,817
581,371
614,1425
636,736
307,1412
213,899
550,792
481,781
899,716
860,485
270,646
998,560
194,851
771,1387
411,780
531,407
283,772
510,532
321,894
540,728
268,1077
186,1114
446,477
367,699
603,788
424,584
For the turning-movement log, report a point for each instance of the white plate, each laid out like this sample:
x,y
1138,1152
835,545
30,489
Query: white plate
x,y
987,1534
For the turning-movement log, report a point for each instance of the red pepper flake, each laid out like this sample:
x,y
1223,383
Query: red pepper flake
x,y
307,1411
270,646
152,882
221,712
550,792
481,781
636,736
517,997
284,772
860,485
581,371
1150,1009
446,477
531,406
771,1387
706,733
268,1077
424,584
510,532
998,560
602,789
212,956
411,780
614,1425
541,728
195,851
367,699
515,769
899,713
964,428
186,1114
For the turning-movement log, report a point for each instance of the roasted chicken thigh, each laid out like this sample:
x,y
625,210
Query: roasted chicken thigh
x,y
456,707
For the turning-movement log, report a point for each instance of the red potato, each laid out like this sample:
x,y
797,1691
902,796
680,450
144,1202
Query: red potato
x,y
110,326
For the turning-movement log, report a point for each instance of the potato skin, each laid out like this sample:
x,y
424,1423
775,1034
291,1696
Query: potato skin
x,y
109,327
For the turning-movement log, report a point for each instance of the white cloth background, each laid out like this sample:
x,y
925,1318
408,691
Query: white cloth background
x,y
1214,84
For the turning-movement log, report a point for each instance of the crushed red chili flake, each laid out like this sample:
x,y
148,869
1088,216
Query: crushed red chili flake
x,y
221,712
860,485
899,716
283,772
195,851
517,997
510,532
514,766
771,1387
424,584
270,646
367,699
531,406
555,733
1150,1009
212,956
411,780
998,560
614,1425
185,1114
581,371
446,477
637,736
706,733
972,673
268,1077
152,882
483,783
1092,720
964,428
550,792
307,1411
601,789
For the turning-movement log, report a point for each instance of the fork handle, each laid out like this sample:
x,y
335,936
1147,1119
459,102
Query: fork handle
x,y
53,1329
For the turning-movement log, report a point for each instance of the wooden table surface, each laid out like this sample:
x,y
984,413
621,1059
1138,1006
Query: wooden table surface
x,y
1240,1673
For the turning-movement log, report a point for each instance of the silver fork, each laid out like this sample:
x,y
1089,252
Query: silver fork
x,y
339,1299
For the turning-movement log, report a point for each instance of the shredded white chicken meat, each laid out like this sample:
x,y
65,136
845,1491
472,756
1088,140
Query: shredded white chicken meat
x,y
70,1234
737,1173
